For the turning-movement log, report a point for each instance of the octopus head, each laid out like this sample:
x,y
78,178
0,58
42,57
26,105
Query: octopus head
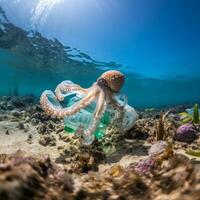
x,y
112,79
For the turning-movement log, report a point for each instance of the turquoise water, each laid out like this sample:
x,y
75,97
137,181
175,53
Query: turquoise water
x,y
166,69
19,72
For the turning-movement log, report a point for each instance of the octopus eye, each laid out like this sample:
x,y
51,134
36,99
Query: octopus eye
x,y
102,82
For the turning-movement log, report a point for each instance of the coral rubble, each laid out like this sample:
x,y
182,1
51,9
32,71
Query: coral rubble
x,y
53,164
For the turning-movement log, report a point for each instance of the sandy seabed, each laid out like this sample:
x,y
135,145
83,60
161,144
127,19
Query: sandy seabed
x,y
38,160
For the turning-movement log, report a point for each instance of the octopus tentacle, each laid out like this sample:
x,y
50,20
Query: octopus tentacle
x,y
102,91
100,105
52,106
115,104
99,111
66,87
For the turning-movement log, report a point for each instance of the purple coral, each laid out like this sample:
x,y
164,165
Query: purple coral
x,y
144,166
186,133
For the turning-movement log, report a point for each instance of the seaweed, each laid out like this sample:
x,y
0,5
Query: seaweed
x,y
185,117
188,117
196,114
193,153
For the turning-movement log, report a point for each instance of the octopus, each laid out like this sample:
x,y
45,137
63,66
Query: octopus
x,y
102,91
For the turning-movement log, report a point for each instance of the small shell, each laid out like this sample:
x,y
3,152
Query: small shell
x,y
158,148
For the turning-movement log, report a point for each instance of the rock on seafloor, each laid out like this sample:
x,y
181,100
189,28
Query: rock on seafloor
x,y
186,133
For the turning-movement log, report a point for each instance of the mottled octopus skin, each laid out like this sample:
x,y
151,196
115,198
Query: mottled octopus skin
x,y
114,79
102,91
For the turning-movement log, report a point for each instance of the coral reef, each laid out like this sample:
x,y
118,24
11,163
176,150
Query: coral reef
x,y
144,166
120,166
154,128
40,178
160,127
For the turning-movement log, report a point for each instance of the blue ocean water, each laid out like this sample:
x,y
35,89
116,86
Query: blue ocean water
x,y
158,54
18,72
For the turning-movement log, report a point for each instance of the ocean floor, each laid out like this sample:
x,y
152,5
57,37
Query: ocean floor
x,y
39,160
